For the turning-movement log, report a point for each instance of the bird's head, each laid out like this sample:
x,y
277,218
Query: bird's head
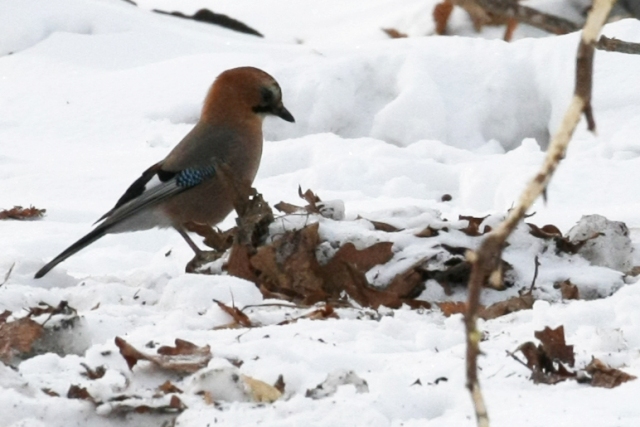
x,y
245,91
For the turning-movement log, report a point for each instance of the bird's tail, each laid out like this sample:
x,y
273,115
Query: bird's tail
x,y
80,244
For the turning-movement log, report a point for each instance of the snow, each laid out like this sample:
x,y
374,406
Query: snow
x,y
93,92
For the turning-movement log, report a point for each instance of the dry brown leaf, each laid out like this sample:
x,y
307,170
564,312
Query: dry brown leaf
x,y
449,308
239,264
322,313
565,245
383,226
238,316
358,288
568,290
279,384
408,284
127,404
311,198
441,13
604,376
77,392
18,337
554,345
289,209
364,259
168,387
429,232
49,392
547,232
43,308
542,367
261,391
635,271
219,240
93,374
393,33
184,357
473,228
289,266
511,305
20,213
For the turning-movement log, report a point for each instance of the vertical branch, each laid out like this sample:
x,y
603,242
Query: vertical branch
x,y
485,261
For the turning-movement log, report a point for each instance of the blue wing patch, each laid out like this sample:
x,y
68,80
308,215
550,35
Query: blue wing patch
x,y
191,177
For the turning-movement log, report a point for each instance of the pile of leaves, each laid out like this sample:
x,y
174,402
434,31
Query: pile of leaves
x,y
286,264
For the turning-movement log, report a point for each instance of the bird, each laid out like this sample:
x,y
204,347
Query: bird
x,y
195,182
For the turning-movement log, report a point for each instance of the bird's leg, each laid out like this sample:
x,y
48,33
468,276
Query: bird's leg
x,y
190,242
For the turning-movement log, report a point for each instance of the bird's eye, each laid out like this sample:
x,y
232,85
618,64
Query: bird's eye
x,y
267,96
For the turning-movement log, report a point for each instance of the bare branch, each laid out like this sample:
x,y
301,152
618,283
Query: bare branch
x,y
485,262
616,45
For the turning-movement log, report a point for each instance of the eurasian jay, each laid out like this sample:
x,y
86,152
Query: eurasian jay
x,y
192,183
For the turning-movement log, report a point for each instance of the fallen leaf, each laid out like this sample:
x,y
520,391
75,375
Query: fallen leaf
x,y
43,308
383,226
567,289
289,266
393,33
322,313
409,284
261,391
239,264
428,232
554,344
216,239
158,405
93,374
168,387
363,259
563,244
511,305
289,209
311,198
450,308
547,232
279,384
604,376
18,337
238,316
50,392
184,357
20,213
77,392
473,228
542,368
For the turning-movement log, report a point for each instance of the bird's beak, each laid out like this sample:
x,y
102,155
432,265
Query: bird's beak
x,y
284,114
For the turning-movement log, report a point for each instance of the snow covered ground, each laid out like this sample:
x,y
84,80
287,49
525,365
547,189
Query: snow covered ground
x,y
93,92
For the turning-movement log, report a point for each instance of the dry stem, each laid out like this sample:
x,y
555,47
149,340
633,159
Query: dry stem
x,y
486,261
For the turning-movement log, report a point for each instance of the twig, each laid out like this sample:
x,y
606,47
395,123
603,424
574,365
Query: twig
x,y
616,45
486,261
517,359
6,276
535,274
506,10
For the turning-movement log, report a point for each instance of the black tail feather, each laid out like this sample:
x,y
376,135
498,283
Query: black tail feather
x,y
80,244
